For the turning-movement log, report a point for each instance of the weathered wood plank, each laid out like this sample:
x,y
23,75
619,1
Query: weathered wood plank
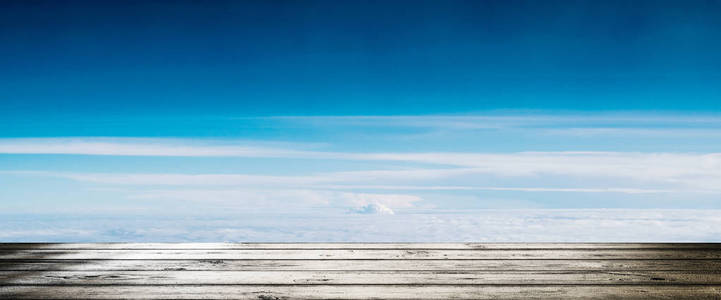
x,y
362,292
360,271
358,265
355,277
361,254
379,246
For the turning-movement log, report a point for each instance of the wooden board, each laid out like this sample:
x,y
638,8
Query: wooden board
x,y
350,254
268,292
381,246
436,277
359,271
359,265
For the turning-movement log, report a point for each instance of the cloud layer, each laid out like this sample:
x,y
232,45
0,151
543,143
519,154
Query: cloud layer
x,y
441,226
648,172
366,178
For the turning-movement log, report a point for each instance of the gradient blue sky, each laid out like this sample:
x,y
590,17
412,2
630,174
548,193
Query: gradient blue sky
x,y
365,114
247,58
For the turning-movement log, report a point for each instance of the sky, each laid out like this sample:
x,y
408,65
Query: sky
x,y
360,121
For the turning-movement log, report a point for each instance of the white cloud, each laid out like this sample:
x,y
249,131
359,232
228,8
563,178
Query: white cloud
x,y
241,198
391,200
561,225
669,167
491,188
373,209
636,132
701,171
279,199
411,180
191,179
698,172
138,147
339,181
521,120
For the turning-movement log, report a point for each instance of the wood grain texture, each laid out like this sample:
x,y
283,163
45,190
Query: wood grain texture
x,y
360,271
345,254
265,292
323,246
359,265
436,277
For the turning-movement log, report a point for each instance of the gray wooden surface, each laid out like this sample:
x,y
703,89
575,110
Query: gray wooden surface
x,y
360,271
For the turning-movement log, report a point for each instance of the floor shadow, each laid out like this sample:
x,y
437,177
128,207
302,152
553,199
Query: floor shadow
x,y
16,268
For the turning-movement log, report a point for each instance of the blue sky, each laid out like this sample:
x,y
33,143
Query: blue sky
x,y
71,59
335,117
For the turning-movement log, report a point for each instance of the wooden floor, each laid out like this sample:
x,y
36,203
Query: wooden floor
x,y
360,271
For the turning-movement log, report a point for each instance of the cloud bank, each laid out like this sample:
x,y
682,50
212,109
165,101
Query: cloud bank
x,y
562,225
367,177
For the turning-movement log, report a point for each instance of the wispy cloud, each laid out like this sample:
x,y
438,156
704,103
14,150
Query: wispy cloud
x,y
263,199
360,173
654,166
514,119
569,125
643,132
137,147
617,125
358,180
672,167
181,179
513,189
650,172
